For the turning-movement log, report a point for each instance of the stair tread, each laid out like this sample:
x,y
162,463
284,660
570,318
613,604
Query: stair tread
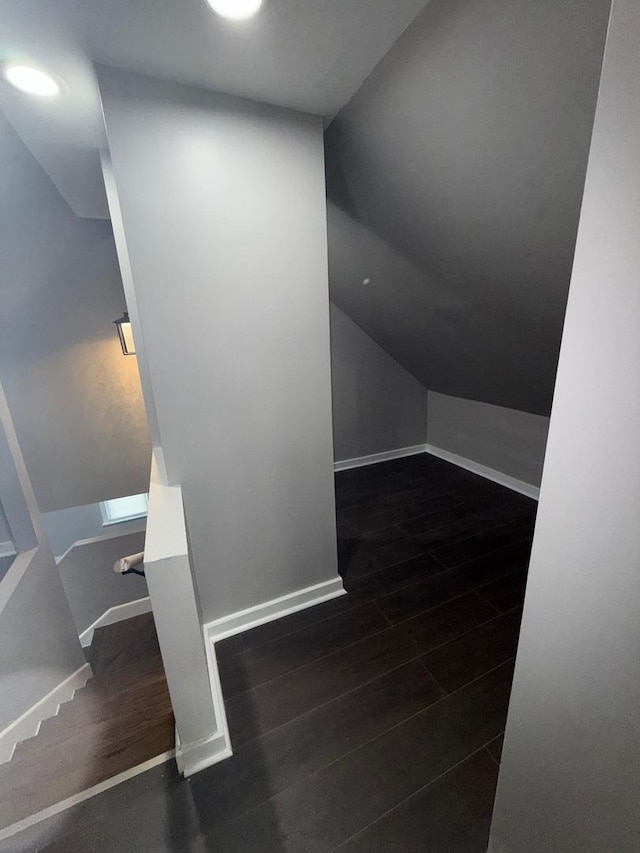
x,y
91,717
122,717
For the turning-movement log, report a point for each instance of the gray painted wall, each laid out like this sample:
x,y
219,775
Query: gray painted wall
x,y
66,526
5,532
458,170
506,440
39,645
75,399
377,405
571,761
91,585
222,204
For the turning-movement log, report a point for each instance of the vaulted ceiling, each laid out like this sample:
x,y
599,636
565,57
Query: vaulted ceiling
x,y
310,55
455,178
455,170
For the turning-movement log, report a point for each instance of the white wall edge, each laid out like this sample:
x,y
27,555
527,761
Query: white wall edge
x,y
28,724
374,458
116,614
489,473
7,549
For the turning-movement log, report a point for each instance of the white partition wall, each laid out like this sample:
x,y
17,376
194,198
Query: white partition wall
x,y
571,762
218,206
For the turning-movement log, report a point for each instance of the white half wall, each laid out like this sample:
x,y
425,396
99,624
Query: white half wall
x,y
377,405
505,440
219,211
202,736
571,759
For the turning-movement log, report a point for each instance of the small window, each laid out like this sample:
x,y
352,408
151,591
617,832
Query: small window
x,y
124,509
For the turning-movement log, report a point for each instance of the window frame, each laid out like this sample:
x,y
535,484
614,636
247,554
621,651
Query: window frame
x,y
109,516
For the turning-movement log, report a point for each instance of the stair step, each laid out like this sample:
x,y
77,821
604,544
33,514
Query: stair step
x,y
92,711
69,774
89,740
121,718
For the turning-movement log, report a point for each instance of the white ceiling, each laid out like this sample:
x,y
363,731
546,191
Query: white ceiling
x,y
311,55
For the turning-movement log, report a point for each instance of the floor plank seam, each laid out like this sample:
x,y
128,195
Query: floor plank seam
x,y
418,792
490,754
483,554
431,675
449,600
429,707
329,702
354,606
478,591
392,625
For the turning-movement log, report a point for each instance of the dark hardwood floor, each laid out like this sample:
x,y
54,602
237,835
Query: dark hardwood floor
x,y
121,718
369,723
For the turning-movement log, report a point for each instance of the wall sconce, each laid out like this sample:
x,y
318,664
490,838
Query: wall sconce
x,y
125,334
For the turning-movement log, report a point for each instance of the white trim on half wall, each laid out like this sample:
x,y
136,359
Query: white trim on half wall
x,y
28,724
116,614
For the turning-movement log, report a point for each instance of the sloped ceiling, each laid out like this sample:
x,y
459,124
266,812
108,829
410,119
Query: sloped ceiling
x,y
455,177
310,55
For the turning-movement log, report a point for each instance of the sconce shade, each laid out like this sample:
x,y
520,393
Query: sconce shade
x,y
125,333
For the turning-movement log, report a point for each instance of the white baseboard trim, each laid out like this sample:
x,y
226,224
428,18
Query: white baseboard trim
x,y
7,549
194,757
374,458
63,805
235,623
28,724
489,473
116,614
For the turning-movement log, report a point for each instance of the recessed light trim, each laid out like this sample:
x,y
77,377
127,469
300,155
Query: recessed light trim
x,y
31,80
236,10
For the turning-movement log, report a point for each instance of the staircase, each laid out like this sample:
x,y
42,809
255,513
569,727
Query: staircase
x,y
121,718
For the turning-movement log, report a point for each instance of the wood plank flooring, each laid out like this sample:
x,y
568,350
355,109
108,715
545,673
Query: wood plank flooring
x,y
121,718
369,723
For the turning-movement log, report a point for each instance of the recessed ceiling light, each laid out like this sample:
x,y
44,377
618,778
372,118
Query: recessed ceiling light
x,y
31,80
235,9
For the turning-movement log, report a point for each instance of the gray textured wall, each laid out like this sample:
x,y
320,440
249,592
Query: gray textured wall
x,y
571,761
75,399
377,405
223,211
457,173
90,583
506,440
